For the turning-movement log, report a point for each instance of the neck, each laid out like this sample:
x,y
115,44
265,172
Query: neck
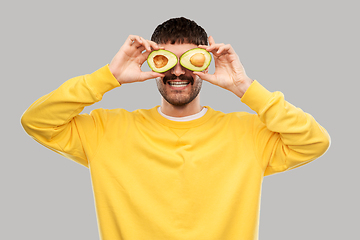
x,y
181,111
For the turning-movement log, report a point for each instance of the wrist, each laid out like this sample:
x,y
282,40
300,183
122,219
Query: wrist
x,y
101,81
240,87
115,72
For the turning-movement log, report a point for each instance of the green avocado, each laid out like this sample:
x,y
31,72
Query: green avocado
x,y
196,59
161,60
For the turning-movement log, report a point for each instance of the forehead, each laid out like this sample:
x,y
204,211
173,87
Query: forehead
x,y
178,48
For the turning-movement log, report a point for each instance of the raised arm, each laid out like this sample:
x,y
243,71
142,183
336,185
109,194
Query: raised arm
x,y
284,136
55,121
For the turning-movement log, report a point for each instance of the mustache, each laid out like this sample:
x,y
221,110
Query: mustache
x,y
181,77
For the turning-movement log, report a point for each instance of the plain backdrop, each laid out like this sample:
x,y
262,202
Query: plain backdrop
x,y
308,49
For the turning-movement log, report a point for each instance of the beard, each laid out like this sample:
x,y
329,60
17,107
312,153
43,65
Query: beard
x,y
179,97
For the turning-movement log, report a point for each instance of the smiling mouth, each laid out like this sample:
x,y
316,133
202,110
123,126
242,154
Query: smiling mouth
x,y
178,84
174,80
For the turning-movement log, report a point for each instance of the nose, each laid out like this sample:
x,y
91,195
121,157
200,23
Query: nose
x,y
178,70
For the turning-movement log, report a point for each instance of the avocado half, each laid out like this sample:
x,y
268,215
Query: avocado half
x,y
196,59
161,60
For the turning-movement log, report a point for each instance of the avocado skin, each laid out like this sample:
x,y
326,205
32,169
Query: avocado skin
x,y
172,60
185,59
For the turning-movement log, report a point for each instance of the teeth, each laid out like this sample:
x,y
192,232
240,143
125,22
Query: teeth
x,y
178,84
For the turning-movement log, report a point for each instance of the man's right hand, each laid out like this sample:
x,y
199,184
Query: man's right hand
x,y
126,65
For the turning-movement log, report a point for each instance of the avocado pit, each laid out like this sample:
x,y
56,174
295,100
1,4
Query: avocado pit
x,y
198,59
160,61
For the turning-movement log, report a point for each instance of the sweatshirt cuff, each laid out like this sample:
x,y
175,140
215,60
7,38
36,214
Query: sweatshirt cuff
x,y
256,96
102,81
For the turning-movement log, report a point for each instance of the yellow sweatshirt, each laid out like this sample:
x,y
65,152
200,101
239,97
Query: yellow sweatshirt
x,y
157,179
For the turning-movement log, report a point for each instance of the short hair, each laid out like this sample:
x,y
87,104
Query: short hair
x,y
179,30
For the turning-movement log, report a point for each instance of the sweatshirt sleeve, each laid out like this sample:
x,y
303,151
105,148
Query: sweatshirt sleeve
x,y
285,137
55,121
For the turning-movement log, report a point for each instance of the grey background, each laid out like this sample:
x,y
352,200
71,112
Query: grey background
x,y
306,49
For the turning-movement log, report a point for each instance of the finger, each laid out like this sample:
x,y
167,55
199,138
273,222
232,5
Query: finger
x,y
135,41
150,45
211,40
224,48
146,45
211,43
154,45
134,38
206,76
214,47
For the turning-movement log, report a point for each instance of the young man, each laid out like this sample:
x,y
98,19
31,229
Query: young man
x,y
178,171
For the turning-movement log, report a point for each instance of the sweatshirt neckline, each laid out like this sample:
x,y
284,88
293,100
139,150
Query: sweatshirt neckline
x,y
178,124
184,119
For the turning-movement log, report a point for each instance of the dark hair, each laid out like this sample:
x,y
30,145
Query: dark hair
x,y
179,30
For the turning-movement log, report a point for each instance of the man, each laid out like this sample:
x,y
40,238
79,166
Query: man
x,y
178,171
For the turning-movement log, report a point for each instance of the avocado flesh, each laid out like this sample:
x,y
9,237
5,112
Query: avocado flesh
x,y
161,60
196,59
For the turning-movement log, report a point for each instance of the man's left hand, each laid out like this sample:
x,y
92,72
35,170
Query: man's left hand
x,y
229,72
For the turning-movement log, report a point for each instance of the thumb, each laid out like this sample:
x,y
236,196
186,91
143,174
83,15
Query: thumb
x,y
150,75
206,76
